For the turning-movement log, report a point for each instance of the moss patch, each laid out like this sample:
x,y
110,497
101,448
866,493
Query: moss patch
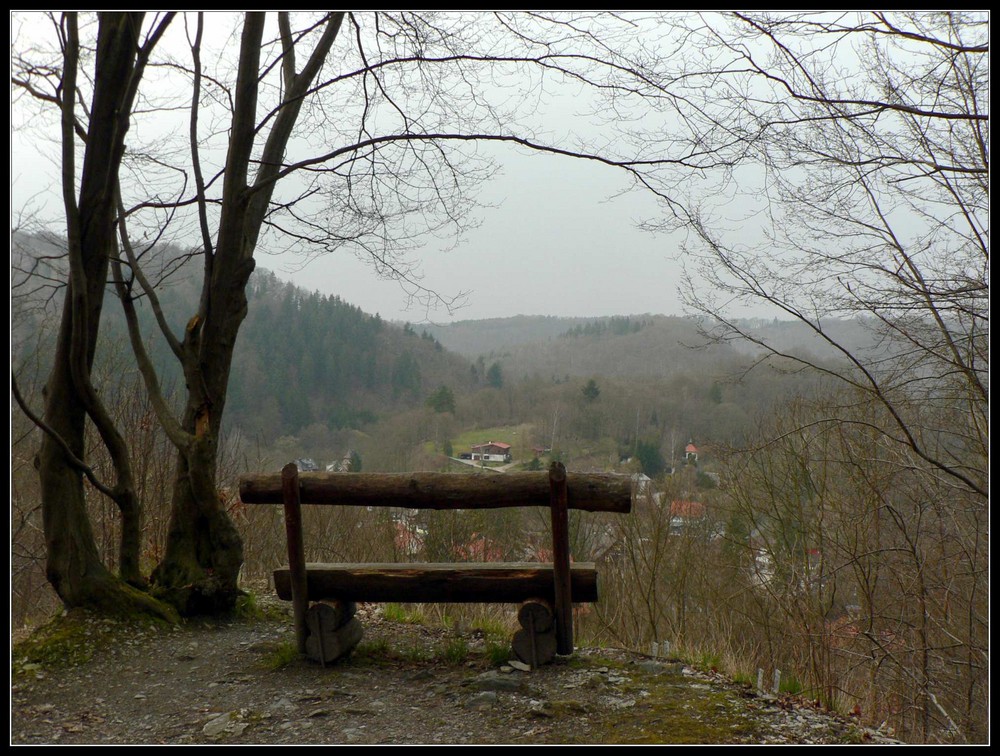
x,y
670,709
73,638
250,609
283,655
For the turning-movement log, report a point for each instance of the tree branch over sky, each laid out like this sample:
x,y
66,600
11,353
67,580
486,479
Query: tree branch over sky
x,y
869,198
819,167
375,156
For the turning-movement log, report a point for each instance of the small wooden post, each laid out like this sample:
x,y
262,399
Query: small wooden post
x,y
560,558
296,550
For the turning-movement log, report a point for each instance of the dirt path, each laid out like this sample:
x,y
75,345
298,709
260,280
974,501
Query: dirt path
x,y
211,682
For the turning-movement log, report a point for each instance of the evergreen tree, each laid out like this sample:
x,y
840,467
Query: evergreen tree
x,y
406,374
649,456
442,400
494,376
715,394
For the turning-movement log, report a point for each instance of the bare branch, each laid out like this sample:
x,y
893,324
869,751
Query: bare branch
x,y
71,458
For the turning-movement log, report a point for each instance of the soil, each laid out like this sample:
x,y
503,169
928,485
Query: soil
x,y
235,682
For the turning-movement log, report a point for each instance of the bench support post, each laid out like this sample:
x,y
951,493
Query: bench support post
x,y
296,550
560,558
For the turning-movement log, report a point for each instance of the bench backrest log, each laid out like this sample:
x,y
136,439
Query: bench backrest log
x,y
592,492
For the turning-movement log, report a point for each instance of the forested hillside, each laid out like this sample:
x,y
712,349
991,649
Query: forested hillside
x,y
633,345
306,358
302,357
309,367
474,337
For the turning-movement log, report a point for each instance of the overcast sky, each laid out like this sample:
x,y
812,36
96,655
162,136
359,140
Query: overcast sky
x,y
553,239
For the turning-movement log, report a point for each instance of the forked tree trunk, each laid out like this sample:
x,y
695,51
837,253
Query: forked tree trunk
x,y
200,568
204,551
73,566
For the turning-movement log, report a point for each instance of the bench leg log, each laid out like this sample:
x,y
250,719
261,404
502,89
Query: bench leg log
x,y
536,614
534,648
332,630
535,643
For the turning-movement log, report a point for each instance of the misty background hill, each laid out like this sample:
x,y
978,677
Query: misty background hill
x,y
306,359
630,345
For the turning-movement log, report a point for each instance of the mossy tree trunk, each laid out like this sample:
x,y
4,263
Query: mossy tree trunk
x,y
200,568
73,566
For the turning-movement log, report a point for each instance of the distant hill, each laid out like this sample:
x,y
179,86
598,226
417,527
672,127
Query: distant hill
x,y
795,337
475,337
305,357
301,357
308,359
628,346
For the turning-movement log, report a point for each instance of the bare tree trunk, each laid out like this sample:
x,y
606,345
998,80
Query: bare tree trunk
x,y
74,567
204,552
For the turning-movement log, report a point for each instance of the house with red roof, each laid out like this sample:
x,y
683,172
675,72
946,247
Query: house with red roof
x,y
691,452
492,451
684,514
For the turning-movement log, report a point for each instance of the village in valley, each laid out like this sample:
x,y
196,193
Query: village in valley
x,y
685,510
669,329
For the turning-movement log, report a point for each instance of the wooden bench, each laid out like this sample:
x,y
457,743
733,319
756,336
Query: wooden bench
x,y
546,592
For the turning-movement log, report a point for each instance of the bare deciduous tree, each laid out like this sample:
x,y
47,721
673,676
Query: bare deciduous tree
x,y
370,144
865,138
74,566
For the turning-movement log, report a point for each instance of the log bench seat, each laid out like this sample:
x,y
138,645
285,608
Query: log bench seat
x,y
329,629
449,583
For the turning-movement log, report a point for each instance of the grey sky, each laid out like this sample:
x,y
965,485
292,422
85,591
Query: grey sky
x,y
553,241
554,238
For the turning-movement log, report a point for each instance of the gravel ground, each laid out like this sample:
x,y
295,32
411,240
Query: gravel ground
x,y
221,682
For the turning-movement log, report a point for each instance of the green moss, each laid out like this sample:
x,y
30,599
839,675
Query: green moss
x,y
250,609
74,637
580,661
678,713
286,653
